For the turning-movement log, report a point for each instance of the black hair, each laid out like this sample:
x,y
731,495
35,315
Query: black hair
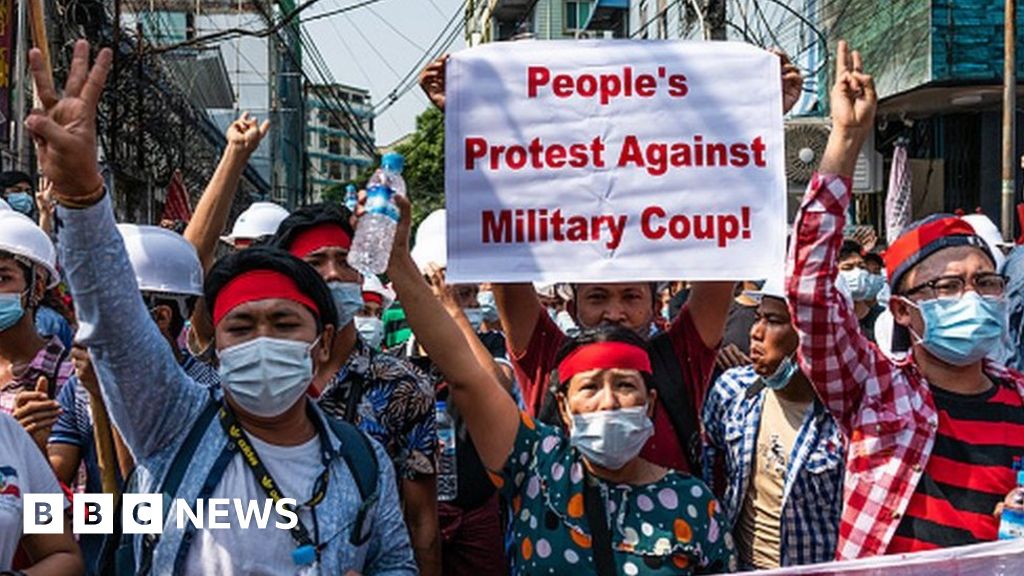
x,y
154,299
11,177
874,257
850,248
309,216
265,258
603,333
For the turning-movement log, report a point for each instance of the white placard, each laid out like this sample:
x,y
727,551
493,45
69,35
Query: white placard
x,y
611,160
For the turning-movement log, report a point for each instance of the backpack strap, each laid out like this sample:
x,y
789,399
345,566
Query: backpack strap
x,y
668,380
176,473
361,460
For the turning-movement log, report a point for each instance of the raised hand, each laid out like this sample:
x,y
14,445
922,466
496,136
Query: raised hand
x,y
64,129
245,134
853,98
37,412
792,81
432,81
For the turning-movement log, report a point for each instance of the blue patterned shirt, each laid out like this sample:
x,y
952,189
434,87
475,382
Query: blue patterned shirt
x,y
813,491
396,407
153,403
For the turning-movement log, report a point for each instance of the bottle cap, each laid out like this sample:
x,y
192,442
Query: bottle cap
x,y
392,161
304,555
350,189
1020,478
441,406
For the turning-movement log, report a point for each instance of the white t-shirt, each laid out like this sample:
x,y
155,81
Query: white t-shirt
x,y
252,551
23,469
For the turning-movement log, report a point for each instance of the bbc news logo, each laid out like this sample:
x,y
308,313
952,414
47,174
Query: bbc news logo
x,y
144,513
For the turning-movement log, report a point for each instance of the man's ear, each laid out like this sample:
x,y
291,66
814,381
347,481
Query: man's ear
x,y
900,310
163,316
39,287
322,352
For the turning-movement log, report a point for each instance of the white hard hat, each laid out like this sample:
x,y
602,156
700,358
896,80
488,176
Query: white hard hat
x,y
774,287
986,229
163,261
260,219
431,241
20,236
372,284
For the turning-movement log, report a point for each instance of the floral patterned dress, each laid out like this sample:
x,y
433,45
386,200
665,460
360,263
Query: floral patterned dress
x,y
672,526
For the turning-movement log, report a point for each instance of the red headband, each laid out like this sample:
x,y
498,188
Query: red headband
x,y
258,285
908,245
604,356
319,236
373,297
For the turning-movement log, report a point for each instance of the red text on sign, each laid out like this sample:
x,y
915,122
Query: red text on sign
x,y
605,87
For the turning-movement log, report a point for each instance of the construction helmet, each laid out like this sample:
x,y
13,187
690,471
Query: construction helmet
x,y
373,285
27,242
260,219
163,261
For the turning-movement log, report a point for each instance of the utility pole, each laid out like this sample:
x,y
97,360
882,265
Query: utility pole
x,y
1009,116
21,96
714,20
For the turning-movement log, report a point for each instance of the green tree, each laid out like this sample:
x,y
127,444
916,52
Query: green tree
x,y
424,164
334,194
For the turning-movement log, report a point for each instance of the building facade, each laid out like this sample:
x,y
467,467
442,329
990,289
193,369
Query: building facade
x,y
335,156
502,20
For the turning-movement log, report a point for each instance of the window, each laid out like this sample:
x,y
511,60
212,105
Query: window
x,y
662,20
643,19
576,15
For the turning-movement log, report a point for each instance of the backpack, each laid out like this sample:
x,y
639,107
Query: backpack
x,y
118,554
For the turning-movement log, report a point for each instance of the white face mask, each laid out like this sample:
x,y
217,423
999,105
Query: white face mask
x,y
857,282
348,299
371,330
611,438
266,376
475,317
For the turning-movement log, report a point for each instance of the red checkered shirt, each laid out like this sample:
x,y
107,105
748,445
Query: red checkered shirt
x,y
884,408
51,361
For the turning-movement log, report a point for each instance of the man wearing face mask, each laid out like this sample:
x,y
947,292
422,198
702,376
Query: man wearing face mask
x,y
27,268
783,453
16,188
274,323
387,397
376,299
933,438
863,286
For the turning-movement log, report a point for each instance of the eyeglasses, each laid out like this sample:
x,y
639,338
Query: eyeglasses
x,y
952,287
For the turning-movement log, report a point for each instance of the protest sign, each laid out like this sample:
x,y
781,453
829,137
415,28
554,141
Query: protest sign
x,y
614,160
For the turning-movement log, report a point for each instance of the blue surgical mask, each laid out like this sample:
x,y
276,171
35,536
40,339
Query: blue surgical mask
x,y
611,438
371,330
875,284
21,201
782,375
475,317
962,331
348,299
266,376
11,310
856,281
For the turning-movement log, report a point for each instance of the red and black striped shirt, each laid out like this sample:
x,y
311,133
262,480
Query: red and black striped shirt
x,y
969,472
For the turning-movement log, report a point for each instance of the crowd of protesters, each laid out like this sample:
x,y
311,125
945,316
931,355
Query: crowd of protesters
x,y
856,404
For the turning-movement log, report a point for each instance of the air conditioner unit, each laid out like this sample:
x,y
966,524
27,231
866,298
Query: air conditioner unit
x,y
806,139
867,174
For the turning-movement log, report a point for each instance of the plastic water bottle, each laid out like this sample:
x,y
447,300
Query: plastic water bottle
x,y
371,248
1011,525
447,475
351,198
